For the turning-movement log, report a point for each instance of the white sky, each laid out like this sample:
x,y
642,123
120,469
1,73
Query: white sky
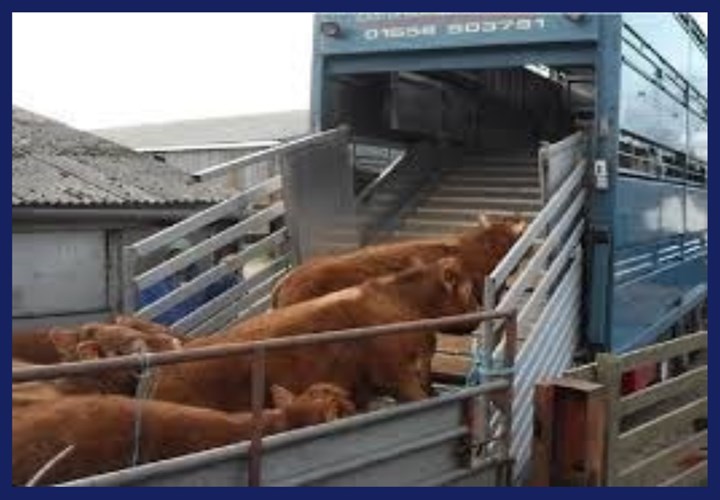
x,y
95,70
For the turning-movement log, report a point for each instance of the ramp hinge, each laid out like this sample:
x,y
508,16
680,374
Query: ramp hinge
x,y
600,235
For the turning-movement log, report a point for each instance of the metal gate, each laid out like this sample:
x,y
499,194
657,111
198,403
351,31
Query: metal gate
x,y
541,277
201,285
433,442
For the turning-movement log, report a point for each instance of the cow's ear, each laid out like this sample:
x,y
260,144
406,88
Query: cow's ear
x,y
120,319
484,221
282,398
138,345
65,341
518,226
450,275
90,331
88,349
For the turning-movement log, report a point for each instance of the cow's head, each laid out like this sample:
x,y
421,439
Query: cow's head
x,y
483,247
142,325
458,293
319,403
97,341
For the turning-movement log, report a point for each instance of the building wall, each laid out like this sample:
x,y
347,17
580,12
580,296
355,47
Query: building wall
x,y
66,274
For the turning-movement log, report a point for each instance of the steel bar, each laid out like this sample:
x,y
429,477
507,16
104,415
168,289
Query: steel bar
x,y
268,154
257,404
210,352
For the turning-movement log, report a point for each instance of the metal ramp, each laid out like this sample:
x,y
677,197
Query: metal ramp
x,y
540,277
503,182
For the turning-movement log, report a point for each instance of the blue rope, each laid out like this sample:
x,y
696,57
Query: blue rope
x,y
482,369
142,391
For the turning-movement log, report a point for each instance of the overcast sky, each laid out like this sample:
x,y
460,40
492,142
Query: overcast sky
x,y
108,69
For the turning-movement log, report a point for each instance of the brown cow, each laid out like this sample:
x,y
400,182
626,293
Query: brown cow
x,y
144,325
96,341
397,365
28,393
101,430
34,346
479,249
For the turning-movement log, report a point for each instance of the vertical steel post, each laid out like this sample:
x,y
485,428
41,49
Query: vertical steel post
x,y
257,404
511,335
129,289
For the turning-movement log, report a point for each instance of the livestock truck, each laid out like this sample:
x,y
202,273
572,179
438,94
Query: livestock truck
x,y
594,127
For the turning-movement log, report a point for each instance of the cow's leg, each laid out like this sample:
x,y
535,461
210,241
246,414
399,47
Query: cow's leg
x,y
410,388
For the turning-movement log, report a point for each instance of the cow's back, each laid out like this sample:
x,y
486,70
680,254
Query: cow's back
x,y
34,346
325,275
101,428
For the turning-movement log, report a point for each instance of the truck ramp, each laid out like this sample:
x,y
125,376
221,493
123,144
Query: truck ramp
x,y
504,182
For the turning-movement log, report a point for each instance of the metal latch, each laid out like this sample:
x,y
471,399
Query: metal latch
x,y
601,175
600,235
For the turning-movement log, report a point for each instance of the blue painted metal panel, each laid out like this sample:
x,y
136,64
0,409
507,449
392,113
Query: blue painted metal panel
x,y
387,31
665,34
648,111
605,146
639,255
642,305
698,137
638,213
696,213
580,54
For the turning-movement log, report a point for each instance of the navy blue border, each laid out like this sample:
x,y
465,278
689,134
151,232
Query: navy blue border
x,y
368,5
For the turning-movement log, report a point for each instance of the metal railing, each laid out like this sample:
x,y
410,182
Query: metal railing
x,y
637,438
254,212
546,287
380,204
319,138
469,443
557,160
245,218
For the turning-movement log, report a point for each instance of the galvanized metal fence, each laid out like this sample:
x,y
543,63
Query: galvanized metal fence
x,y
590,433
557,160
431,442
379,206
181,283
541,276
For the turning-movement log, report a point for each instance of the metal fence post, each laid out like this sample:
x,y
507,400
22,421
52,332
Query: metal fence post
x,y
129,289
609,375
257,399
511,335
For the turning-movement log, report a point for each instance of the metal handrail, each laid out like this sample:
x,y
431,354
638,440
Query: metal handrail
x,y
382,178
271,153
536,227
258,351
146,360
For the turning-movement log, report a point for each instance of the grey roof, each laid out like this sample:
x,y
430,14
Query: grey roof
x,y
203,133
56,165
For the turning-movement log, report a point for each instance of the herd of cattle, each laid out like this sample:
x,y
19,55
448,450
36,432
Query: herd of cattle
x,y
83,425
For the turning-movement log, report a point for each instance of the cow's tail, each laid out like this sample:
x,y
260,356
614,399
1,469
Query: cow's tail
x,y
40,474
275,293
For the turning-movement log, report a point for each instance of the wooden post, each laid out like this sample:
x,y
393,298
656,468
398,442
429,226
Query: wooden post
x,y
609,375
569,433
543,435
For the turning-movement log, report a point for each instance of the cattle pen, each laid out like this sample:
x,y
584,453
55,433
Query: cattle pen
x,y
443,440
591,128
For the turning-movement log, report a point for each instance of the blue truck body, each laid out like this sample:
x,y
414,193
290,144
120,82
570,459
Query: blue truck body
x,y
646,243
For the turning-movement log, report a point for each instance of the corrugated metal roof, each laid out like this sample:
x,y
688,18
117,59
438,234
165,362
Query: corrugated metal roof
x,y
56,165
204,133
